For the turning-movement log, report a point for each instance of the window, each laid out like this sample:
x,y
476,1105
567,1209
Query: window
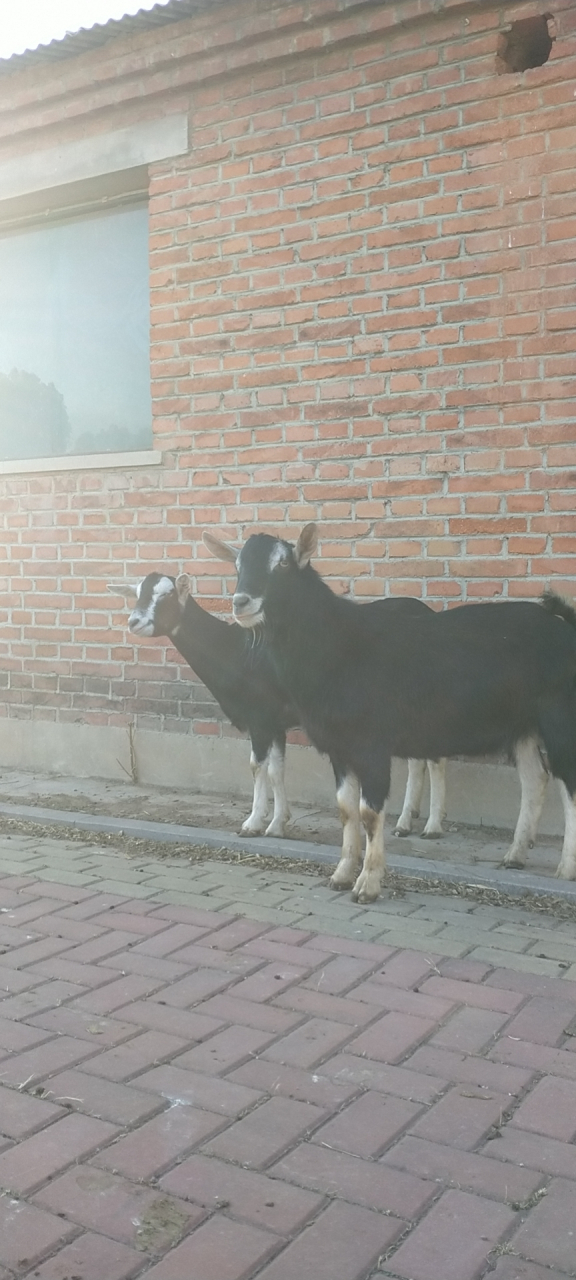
x,y
74,336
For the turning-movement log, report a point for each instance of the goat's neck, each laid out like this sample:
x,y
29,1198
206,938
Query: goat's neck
x,y
200,637
308,631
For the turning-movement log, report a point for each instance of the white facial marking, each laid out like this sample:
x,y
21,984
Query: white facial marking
x,y
141,622
279,555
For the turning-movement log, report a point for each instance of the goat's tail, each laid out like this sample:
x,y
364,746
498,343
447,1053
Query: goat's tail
x,y
559,606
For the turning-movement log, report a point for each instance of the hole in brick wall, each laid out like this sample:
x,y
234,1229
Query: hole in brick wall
x,y
527,43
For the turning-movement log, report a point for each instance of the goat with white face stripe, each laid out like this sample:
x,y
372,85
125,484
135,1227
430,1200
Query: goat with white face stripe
x,y
471,681
238,675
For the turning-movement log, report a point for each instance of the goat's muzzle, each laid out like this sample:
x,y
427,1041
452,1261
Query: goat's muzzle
x,y
247,609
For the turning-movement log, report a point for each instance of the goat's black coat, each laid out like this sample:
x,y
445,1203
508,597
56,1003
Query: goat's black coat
x,y
370,684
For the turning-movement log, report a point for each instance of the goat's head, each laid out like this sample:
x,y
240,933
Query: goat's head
x,y
160,602
262,564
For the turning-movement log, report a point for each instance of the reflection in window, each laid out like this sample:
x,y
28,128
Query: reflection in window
x,y
74,337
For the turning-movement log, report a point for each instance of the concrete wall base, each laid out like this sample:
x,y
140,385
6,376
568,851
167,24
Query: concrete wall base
x,y
478,794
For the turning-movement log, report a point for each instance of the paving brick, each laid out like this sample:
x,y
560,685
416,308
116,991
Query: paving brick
x,y
535,1057
225,1050
267,1202
470,1030
549,1109
392,1037
127,1211
37,1000
235,934
100,948
119,992
194,987
548,1235
34,952
480,997
16,1036
144,925
454,1239
294,937
221,1096
463,969
402,1000
518,960
83,1025
335,1173
104,1099
176,1022
177,914
60,926
12,981
542,1021
336,1008
372,951
293,1082
368,1125
171,938
47,1153
261,1137
416,1086
549,1155
269,981
463,1169
465,1069
344,1241
91,906
21,1114
247,1013
340,974
147,1151
310,1044
198,956
228,1250
137,1055
64,970
517,1269
408,969
463,1117
44,1060
27,1233
90,1257
532,984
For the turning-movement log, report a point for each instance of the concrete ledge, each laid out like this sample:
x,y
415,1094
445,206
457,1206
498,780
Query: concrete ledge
x,y
478,794
515,883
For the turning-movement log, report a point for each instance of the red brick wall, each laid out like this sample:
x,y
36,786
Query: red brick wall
x,y
363,313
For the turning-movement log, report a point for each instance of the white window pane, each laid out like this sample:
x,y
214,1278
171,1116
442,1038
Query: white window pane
x,y
74,337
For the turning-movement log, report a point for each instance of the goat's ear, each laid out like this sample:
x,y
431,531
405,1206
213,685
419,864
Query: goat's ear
x,y
222,550
125,589
182,587
306,545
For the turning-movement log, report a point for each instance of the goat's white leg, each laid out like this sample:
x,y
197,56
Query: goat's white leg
x,y
437,771
254,824
369,882
348,797
412,797
533,780
281,816
566,869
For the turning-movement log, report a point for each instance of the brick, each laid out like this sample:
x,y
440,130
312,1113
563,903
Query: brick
x,y
518,1269
340,974
364,1182
293,1082
454,1239
542,1021
139,1054
225,1050
371,951
44,1060
155,967
254,1197
41,1157
548,1155
465,1069
176,1022
177,914
62,969
399,1000
148,1150
391,1038
416,1086
15,1037
195,987
114,994
534,1057
104,1099
21,1114
261,1137
408,969
100,948
84,1026
235,934
463,1169
310,1044
368,1125
91,1257
131,923
549,1109
470,1030
248,1013
463,1117
547,1236
13,981
35,952
27,1233
335,1008
196,956
531,984
269,981
189,1087
345,1240
170,939
480,997
136,1215
42,998
229,1250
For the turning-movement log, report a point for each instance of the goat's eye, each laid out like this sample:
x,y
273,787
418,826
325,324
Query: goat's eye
x,y
283,564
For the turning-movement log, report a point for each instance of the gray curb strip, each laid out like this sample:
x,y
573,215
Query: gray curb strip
x,y
513,882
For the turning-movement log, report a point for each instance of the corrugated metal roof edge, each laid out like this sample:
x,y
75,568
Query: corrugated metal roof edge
x,y
87,38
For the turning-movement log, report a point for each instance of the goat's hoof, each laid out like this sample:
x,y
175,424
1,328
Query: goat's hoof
x,y
401,831
250,831
515,863
276,829
366,889
341,884
431,835
568,873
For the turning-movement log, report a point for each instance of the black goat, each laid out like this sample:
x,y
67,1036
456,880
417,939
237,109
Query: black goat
x,y
238,673
471,681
